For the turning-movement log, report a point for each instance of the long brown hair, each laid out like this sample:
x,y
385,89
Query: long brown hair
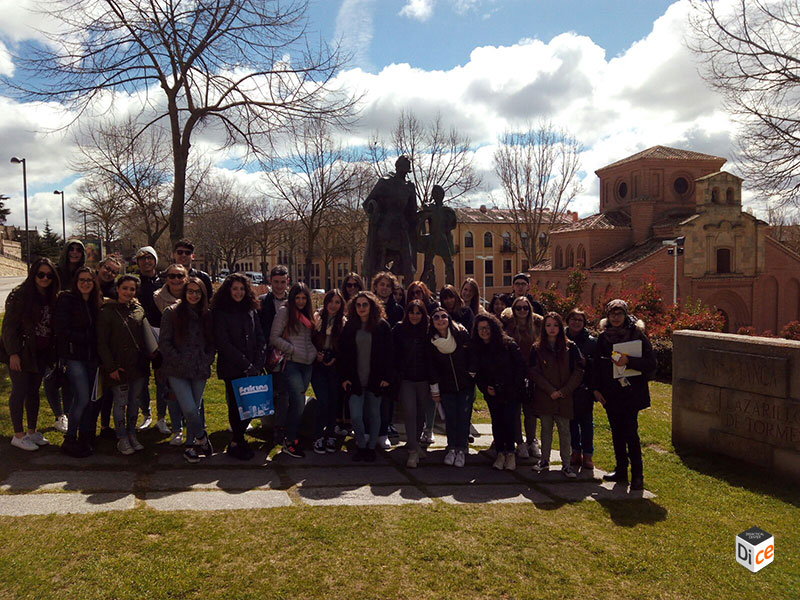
x,y
475,302
523,333
183,307
376,311
224,301
419,285
355,277
293,324
561,337
450,291
338,318
424,322
95,297
30,294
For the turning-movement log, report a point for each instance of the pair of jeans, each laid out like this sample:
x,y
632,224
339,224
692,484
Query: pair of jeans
x,y
162,393
503,414
280,398
457,415
126,406
59,403
563,437
581,429
327,389
81,375
366,407
24,397
189,397
528,417
625,438
298,376
238,426
414,397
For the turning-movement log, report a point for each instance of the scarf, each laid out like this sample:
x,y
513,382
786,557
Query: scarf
x,y
163,299
445,345
304,320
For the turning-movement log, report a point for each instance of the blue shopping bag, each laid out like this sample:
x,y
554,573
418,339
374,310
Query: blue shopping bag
x,y
254,396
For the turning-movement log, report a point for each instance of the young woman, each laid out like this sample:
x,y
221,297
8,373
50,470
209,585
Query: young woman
x,y
351,285
410,338
76,335
366,367
623,402
329,322
241,348
28,347
186,342
524,326
400,296
168,295
501,378
459,313
417,290
498,304
555,368
471,295
291,334
124,357
73,256
451,373
581,427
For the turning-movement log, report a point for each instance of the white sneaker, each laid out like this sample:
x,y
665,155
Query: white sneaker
x,y
499,462
450,458
37,438
24,443
161,425
511,461
61,424
124,447
427,437
135,444
522,451
384,443
533,449
176,439
250,427
341,431
460,458
146,423
568,472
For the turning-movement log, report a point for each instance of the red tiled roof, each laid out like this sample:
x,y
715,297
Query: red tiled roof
x,y
625,258
542,265
495,215
609,220
665,153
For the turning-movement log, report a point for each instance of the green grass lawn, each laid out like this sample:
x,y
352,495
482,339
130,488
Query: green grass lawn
x,y
678,545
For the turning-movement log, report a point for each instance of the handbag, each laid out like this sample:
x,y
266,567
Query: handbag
x,y
254,396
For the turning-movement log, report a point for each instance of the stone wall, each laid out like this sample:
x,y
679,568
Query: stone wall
x,y
10,267
738,396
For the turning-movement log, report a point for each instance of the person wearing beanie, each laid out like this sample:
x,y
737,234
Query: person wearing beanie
x,y
623,397
521,286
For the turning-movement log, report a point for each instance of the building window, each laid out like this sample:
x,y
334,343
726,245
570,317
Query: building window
x,y
341,271
723,260
506,242
581,256
314,277
729,196
468,241
489,281
559,258
525,265
507,265
488,266
681,186
622,190
542,241
506,280
469,267
487,239
570,257
715,196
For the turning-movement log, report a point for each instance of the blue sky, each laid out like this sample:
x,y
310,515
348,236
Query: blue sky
x,y
616,73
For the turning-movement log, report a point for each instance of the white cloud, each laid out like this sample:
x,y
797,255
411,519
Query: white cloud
x,y
421,10
6,64
354,27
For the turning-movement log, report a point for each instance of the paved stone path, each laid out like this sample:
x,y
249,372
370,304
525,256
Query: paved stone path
x,y
52,483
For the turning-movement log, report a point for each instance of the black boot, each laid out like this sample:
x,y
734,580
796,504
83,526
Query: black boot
x,y
637,483
71,447
617,476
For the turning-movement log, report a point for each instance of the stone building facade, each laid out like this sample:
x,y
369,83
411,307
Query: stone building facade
x,y
729,259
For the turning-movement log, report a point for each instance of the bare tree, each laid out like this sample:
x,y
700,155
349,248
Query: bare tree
x,y
311,181
269,219
439,156
538,173
750,54
102,206
242,65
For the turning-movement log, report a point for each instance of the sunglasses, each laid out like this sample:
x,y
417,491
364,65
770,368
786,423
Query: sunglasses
x,y
521,308
184,252
351,285
44,275
362,304
617,312
110,270
441,317
484,328
175,276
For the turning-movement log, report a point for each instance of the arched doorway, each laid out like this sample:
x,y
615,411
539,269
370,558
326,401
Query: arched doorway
x,y
731,305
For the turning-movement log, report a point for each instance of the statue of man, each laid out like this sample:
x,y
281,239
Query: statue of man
x,y
438,240
392,210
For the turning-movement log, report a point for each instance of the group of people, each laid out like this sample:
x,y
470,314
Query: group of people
x,y
94,336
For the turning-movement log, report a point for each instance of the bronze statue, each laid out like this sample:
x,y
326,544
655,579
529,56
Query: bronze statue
x,y
436,222
391,237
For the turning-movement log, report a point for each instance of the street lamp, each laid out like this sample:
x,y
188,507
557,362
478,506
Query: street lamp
x,y
675,248
15,160
483,282
63,216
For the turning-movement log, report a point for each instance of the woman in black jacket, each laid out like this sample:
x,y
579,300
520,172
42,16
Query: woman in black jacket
x,y
410,343
623,397
366,367
500,376
28,347
451,300
241,348
187,347
451,373
76,337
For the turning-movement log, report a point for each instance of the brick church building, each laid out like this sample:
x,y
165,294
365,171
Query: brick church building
x,y
660,194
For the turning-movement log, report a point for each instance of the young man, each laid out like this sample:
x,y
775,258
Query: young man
x,y
183,254
383,286
581,427
270,303
107,273
147,260
521,286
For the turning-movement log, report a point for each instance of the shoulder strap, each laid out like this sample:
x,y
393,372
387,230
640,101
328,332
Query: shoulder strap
x,y
125,323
